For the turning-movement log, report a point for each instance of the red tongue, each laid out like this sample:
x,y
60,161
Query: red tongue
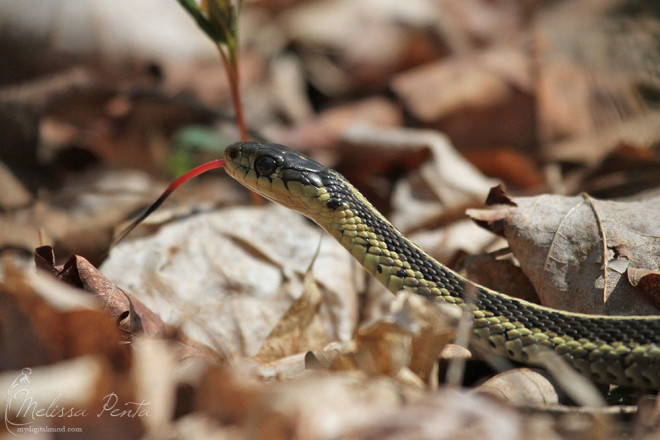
x,y
218,163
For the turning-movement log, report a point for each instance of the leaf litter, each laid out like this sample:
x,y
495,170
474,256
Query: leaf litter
x,y
579,252
212,318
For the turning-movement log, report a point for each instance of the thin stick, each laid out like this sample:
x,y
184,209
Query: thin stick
x,y
231,67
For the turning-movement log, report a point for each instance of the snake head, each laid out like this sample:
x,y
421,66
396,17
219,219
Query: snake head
x,y
282,175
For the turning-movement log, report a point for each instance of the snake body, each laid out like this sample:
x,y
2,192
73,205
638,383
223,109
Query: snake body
x,y
607,349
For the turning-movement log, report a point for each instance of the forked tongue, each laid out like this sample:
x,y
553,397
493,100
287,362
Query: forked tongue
x,y
218,163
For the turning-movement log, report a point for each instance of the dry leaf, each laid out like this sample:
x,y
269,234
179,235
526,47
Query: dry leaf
x,y
648,281
446,178
515,168
592,60
368,40
76,397
287,368
575,250
445,415
300,328
324,132
410,337
45,321
321,407
500,275
131,314
155,373
227,277
227,395
442,88
462,236
474,99
521,387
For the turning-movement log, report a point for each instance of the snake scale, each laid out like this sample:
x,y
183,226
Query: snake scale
x,y
622,350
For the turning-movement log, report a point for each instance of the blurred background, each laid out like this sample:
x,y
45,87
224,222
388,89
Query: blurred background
x,y
424,105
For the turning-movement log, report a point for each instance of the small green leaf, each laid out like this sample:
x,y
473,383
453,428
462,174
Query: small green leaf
x,y
217,18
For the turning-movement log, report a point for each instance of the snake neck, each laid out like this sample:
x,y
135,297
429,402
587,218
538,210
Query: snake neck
x,y
379,247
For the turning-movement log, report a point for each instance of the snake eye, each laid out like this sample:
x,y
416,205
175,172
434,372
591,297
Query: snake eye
x,y
265,165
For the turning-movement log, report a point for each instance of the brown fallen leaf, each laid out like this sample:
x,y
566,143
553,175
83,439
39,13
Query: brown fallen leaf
x,y
442,88
447,414
44,259
440,180
300,328
80,395
501,275
347,47
286,368
521,387
628,171
45,321
321,407
508,164
588,98
473,99
498,196
227,395
324,132
130,313
575,250
648,281
409,338
225,278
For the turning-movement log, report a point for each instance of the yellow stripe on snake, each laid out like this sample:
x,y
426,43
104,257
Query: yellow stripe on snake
x,y
607,349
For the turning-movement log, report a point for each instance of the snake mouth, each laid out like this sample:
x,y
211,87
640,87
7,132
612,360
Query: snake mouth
x,y
276,172
231,154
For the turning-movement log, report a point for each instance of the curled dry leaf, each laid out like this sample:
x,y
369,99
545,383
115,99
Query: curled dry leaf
x,y
575,250
410,338
648,281
131,314
577,387
300,328
521,387
43,321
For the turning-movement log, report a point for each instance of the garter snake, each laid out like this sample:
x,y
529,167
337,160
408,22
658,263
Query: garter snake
x,y
607,349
